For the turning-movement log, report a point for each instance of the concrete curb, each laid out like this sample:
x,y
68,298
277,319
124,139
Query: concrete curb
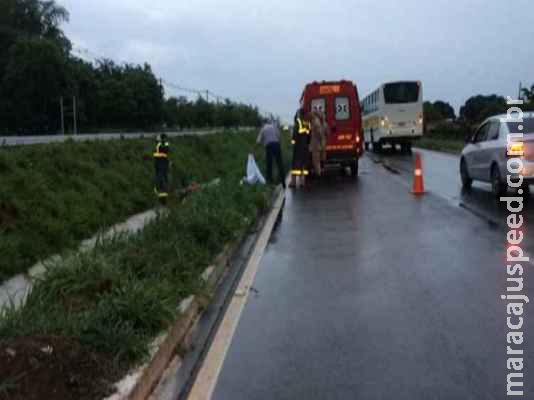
x,y
15,290
143,381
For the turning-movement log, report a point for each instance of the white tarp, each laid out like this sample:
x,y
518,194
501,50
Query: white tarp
x,y
254,175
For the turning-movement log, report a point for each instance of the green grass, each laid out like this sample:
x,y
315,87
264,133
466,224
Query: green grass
x,y
444,145
116,298
52,196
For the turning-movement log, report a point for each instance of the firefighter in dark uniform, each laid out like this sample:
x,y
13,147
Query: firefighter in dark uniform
x,y
161,164
301,148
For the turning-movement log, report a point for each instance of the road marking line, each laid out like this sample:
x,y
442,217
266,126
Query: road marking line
x,y
208,375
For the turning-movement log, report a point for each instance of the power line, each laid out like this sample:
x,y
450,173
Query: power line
x,y
89,54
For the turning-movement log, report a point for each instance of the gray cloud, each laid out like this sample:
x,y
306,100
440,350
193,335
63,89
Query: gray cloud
x,y
264,52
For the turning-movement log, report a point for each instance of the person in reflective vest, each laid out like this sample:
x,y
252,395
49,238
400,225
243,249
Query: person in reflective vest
x,y
161,164
301,152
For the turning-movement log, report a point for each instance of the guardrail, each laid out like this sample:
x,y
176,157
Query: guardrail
x,y
41,139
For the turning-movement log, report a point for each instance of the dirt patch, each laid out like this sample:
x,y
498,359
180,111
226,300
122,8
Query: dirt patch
x,y
52,368
86,298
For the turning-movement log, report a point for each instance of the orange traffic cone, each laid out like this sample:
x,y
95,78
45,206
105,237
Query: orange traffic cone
x,y
418,184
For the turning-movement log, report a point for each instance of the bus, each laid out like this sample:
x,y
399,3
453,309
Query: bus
x,y
340,103
393,114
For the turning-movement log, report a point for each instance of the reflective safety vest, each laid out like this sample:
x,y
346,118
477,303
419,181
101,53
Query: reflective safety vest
x,y
162,150
304,127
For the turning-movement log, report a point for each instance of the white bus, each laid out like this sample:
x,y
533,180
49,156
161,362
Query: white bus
x,y
393,114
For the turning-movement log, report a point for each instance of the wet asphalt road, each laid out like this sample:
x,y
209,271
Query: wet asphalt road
x,y
442,178
368,293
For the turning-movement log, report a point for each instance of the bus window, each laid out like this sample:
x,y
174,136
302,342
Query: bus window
x,y
342,108
318,105
401,92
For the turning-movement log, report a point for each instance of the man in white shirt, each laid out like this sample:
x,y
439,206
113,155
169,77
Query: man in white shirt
x,y
269,137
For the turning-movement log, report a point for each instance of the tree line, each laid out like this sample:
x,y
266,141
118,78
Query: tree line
x,y
476,109
442,121
38,70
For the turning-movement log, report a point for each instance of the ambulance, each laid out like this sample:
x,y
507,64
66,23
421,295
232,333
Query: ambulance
x,y
339,101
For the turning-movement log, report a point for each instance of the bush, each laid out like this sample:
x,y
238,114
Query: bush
x,y
446,130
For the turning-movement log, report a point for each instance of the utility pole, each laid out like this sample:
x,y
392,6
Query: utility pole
x,y
62,116
520,96
207,96
74,114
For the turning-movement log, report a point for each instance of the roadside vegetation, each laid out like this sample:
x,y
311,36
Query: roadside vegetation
x,y
93,315
38,67
444,145
111,302
446,136
53,196
444,131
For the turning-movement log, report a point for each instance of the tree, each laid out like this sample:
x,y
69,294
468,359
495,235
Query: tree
x,y
478,108
37,69
445,110
179,112
438,111
528,94
32,19
33,52
32,84
127,96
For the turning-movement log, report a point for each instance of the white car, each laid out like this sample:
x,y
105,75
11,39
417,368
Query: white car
x,y
485,155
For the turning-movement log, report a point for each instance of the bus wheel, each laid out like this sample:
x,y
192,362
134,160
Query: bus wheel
x,y
406,148
377,147
354,166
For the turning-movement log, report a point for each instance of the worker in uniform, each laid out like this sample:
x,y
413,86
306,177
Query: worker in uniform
x,y
301,152
324,139
161,164
316,142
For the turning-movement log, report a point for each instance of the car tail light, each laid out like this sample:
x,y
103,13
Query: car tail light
x,y
515,149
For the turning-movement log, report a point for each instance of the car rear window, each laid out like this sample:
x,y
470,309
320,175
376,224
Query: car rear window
x,y
528,126
342,108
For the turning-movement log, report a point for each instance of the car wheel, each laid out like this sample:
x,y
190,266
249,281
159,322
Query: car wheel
x,y
377,147
467,182
406,148
526,192
498,188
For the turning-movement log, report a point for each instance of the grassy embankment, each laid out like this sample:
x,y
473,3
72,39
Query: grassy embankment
x,y
446,136
437,144
102,308
52,196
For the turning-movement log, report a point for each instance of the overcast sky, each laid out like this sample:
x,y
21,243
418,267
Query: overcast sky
x,y
264,52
